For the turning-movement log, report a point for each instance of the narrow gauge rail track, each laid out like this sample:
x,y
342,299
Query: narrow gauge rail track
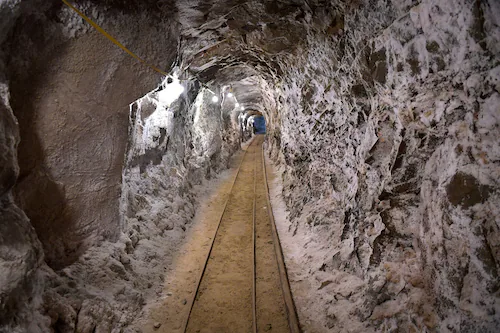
x,y
243,286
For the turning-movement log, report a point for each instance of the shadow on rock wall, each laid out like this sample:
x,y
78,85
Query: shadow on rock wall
x,y
19,246
36,192
72,108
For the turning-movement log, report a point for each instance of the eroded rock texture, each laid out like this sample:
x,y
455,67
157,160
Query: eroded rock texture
x,y
383,116
78,89
389,137
20,250
69,89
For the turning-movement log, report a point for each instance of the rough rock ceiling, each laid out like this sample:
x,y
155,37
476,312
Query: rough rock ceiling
x,y
386,131
238,43
229,40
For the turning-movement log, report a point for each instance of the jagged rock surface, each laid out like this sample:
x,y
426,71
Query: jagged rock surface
x,y
386,133
383,115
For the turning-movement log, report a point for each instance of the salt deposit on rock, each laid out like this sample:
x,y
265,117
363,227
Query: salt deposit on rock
x,y
383,122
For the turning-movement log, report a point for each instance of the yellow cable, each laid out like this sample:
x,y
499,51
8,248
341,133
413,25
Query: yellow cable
x,y
101,30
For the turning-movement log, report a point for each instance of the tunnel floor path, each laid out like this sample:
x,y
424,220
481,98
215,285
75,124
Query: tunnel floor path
x,y
210,287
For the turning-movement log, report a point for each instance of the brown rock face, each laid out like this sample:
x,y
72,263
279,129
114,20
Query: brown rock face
x,y
9,136
382,115
73,112
78,178
20,250
466,191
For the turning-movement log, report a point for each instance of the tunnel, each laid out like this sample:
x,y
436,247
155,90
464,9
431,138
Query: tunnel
x,y
141,141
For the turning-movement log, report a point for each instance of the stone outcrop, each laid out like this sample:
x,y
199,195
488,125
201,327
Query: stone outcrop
x,y
383,116
386,136
71,96
21,253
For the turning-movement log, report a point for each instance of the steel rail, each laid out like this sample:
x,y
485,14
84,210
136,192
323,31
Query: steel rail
x,y
254,269
293,320
193,299
290,308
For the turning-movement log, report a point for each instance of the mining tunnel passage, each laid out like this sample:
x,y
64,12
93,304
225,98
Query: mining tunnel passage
x,y
241,288
135,136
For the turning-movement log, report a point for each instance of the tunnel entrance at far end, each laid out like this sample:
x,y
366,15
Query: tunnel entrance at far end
x,y
251,122
259,124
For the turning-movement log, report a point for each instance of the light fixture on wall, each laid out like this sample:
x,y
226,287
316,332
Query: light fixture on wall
x,y
242,108
215,99
230,94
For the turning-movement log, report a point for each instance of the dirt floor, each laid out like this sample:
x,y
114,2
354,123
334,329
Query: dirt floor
x,y
271,313
170,311
302,287
224,300
225,296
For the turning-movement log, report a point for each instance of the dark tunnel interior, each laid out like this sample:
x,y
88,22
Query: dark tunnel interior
x,y
376,124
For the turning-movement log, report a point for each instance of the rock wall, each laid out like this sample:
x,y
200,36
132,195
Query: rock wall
x,y
384,116
71,96
71,157
69,89
21,253
171,149
387,127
